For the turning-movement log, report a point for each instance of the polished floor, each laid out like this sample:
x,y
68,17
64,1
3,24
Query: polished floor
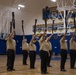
x,y
25,70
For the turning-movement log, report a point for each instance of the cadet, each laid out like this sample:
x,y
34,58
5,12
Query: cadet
x,y
44,52
72,52
50,50
64,48
11,47
25,49
32,52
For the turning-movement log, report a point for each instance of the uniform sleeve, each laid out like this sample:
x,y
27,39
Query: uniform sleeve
x,y
71,39
41,39
28,46
30,43
35,47
15,43
8,39
61,40
47,39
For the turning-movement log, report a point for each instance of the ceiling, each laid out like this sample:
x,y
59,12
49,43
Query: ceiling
x,y
30,5
32,10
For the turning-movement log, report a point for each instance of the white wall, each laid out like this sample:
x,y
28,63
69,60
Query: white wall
x,y
32,10
28,17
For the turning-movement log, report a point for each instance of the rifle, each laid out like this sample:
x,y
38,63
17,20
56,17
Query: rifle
x,y
23,27
35,26
66,20
45,24
13,20
10,27
53,25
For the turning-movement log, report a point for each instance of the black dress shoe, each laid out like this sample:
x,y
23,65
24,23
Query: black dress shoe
x,y
73,68
13,69
44,73
49,65
32,68
9,70
25,64
63,70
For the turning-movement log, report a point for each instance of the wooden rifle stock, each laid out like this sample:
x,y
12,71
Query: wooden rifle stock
x,y
23,27
66,23
35,26
53,25
46,24
66,20
10,27
13,20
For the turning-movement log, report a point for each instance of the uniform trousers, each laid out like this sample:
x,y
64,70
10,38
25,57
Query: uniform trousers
x,y
32,56
10,59
72,58
49,58
63,58
25,55
44,59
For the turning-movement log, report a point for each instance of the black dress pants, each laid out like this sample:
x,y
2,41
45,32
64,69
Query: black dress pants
x,y
25,55
32,56
72,58
63,58
10,59
44,59
49,58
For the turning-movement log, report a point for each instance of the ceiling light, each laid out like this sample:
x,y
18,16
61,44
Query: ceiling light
x,y
21,5
19,8
53,0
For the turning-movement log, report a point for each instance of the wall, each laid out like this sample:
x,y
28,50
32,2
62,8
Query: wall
x,y
29,18
23,14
